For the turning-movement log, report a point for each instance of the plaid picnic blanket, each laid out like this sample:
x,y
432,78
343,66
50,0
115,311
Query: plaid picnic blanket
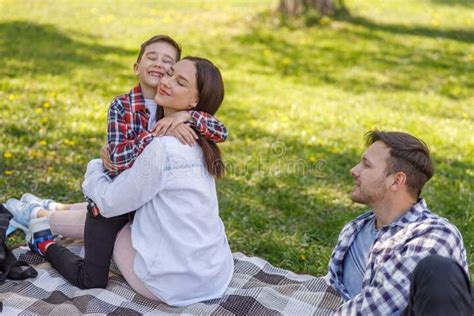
x,y
257,288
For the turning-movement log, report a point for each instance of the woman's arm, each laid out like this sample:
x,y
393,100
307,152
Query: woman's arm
x,y
132,188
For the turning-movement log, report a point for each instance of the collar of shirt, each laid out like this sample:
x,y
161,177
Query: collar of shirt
x,y
351,230
137,100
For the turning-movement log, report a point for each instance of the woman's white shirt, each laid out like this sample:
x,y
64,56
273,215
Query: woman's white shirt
x,y
183,255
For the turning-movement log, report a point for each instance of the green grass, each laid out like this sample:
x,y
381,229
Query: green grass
x,y
298,101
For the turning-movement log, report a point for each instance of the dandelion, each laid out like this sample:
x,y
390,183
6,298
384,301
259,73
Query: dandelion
x,y
312,158
44,120
286,61
52,94
68,142
434,22
46,105
8,172
42,143
11,97
38,110
7,155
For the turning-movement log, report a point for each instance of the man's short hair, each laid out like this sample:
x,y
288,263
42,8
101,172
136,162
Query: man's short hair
x,y
408,154
160,38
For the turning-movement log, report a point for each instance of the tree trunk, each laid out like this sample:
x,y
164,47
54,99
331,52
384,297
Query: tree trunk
x,y
298,7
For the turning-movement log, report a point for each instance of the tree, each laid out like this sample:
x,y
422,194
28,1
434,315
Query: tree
x,y
299,7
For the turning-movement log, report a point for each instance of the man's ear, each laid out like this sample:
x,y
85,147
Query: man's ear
x,y
399,181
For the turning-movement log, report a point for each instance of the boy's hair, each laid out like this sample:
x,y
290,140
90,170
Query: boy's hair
x,y
160,38
408,154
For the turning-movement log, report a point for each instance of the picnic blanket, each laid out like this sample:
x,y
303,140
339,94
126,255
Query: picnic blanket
x,y
257,288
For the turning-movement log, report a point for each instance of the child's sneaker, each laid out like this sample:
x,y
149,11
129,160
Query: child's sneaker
x,y
22,212
39,235
31,198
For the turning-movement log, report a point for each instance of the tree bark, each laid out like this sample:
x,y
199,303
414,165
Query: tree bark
x,y
298,7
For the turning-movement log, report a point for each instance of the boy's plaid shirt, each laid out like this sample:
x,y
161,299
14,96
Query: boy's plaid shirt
x,y
128,135
397,249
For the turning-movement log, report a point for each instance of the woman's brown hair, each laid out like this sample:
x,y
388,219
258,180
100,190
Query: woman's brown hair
x,y
210,87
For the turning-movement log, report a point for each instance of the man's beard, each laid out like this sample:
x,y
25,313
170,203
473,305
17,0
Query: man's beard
x,y
367,197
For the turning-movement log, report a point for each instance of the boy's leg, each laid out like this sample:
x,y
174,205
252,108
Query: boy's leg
x,y
124,256
99,239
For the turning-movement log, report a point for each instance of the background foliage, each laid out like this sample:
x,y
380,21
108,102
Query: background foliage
x,y
298,102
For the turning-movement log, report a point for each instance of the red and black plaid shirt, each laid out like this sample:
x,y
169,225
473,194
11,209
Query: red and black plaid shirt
x,y
128,134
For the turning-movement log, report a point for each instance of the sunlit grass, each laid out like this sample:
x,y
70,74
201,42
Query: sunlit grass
x,y
298,101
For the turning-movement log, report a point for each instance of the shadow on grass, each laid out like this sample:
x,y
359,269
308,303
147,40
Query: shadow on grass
x,y
359,60
456,34
464,3
28,48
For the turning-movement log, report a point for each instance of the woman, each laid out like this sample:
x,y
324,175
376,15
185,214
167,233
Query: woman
x,y
176,250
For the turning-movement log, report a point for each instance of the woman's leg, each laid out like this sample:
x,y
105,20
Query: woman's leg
x,y
124,256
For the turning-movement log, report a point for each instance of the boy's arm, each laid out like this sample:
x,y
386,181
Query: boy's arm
x,y
209,126
123,151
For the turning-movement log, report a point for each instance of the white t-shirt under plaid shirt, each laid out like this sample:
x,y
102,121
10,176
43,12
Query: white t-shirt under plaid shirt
x,y
396,251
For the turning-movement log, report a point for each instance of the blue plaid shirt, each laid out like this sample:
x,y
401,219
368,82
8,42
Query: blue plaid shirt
x,y
397,249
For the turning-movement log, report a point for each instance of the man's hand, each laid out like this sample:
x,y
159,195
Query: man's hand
x,y
105,156
170,122
184,133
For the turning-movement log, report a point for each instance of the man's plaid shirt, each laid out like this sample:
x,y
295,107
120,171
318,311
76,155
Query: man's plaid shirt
x,y
128,134
397,249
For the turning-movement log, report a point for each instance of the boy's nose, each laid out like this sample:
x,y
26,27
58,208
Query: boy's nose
x,y
158,63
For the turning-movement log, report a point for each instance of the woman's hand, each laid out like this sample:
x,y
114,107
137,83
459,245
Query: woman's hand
x,y
184,133
105,157
170,122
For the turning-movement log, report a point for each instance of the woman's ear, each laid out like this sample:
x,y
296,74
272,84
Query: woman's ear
x,y
194,104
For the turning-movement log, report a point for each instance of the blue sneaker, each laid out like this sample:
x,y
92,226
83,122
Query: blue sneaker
x,y
21,211
39,232
31,198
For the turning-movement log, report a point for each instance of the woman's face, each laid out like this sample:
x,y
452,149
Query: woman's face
x,y
177,90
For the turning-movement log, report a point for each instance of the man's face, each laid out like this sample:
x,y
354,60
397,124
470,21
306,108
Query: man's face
x,y
155,62
371,181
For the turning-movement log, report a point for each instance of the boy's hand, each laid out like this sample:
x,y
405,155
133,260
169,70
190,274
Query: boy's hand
x,y
184,133
170,122
105,156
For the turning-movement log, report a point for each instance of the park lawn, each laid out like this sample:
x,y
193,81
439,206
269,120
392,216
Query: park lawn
x,y
298,102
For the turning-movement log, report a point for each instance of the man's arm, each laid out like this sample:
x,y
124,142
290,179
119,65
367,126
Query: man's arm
x,y
132,188
389,289
123,151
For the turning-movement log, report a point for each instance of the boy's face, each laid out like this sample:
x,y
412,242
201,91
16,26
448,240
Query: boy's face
x,y
155,62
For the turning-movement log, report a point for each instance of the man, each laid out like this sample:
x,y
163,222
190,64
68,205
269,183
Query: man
x,y
373,264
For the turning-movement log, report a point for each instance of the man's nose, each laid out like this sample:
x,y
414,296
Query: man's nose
x,y
354,171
